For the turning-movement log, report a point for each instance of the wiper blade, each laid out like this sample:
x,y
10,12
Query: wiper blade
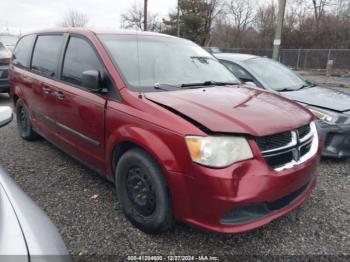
x,y
209,83
159,86
286,90
304,86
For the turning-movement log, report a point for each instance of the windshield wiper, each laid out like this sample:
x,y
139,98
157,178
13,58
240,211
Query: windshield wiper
x,y
209,83
286,90
159,86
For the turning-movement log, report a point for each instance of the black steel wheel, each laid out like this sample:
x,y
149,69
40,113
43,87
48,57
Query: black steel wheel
x,y
140,191
143,192
24,124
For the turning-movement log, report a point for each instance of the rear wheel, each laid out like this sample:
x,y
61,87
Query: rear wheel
x,y
143,192
24,124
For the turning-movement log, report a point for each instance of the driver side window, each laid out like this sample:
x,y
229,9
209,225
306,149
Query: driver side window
x,y
79,57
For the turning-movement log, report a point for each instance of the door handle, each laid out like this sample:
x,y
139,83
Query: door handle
x,y
59,95
46,90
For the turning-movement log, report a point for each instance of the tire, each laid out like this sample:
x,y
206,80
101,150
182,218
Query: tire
x,y
24,125
143,192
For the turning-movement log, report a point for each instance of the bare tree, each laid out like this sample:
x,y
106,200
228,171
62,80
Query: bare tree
x,y
241,13
265,23
319,8
134,19
342,10
212,9
74,19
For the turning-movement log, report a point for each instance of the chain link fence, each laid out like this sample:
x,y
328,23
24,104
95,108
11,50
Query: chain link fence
x,y
304,59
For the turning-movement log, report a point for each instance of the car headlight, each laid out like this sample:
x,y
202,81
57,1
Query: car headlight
x,y
218,151
330,117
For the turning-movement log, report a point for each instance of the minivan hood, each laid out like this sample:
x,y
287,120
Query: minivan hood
x,y
235,109
321,97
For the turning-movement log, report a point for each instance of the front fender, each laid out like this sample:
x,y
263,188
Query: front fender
x,y
160,144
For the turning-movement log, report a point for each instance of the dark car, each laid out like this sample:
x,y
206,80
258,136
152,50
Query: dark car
x,y
26,234
332,107
5,56
164,120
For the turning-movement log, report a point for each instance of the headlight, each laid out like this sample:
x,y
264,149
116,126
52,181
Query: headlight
x,y
330,117
218,151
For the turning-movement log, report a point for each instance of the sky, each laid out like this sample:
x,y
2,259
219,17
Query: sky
x,y
21,16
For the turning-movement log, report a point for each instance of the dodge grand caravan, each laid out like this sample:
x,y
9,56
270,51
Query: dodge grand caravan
x,y
179,136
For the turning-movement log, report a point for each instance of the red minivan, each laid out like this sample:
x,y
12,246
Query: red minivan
x,y
180,137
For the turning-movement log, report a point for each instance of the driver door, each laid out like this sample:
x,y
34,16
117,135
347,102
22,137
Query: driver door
x,y
80,114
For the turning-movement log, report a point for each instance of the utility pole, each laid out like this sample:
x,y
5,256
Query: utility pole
x,y
145,15
278,33
178,19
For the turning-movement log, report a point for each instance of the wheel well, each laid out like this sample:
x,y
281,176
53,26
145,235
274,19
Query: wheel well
x,y
15,98
122,148
119,150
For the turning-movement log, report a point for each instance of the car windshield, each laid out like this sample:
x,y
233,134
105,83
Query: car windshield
x,y
277,76
4,52
152,62
8,41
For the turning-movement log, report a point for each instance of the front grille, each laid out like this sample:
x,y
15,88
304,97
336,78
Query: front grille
x,y
280,160
304,131
305,149
274,141
3,74
288,147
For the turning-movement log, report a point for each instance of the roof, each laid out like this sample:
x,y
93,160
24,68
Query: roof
x,y
234,56
97,31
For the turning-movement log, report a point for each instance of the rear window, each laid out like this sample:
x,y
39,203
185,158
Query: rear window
x,y
22,52
46,53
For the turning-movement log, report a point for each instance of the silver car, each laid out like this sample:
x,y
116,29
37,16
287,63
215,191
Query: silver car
x,y
26,233
332,107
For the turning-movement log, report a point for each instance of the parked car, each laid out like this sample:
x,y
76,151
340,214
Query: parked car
x,y
176,132
8,40
26,234
5,56
213,49
332,107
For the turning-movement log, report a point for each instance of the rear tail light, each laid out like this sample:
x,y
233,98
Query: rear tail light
x,y
5,61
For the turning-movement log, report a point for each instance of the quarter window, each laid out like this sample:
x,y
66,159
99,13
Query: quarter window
x,y
23,51
80,57
46,54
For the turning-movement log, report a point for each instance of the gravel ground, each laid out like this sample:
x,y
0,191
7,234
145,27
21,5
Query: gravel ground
x,y
66,190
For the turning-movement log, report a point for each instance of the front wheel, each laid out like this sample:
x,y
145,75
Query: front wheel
x,y
143,192
24,124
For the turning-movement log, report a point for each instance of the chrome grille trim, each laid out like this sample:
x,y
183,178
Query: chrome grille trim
x,y
295,146
289,145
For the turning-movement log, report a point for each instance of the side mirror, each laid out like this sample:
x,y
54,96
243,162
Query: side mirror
x,y
6,115
91,79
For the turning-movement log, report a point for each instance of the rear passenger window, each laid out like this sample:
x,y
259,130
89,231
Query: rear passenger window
x,y
46,54
23,51
80,57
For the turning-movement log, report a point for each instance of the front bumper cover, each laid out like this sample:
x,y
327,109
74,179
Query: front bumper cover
x,y
336,139
206,196
4,82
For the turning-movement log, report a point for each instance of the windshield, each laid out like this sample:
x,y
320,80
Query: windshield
x,y
146,62
277,76
9,41
4,52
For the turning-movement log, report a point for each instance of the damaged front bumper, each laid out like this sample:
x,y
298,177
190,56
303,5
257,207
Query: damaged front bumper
x,y
336,139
